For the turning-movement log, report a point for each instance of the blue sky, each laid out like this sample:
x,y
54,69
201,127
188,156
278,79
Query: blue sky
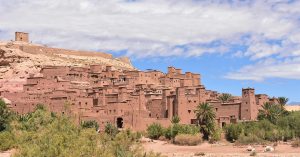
x,y
232,44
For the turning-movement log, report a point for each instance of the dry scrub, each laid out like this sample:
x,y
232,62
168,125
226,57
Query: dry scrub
x,y
189,140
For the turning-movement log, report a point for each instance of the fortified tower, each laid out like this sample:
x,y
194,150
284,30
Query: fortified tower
x,y
248,106
22,36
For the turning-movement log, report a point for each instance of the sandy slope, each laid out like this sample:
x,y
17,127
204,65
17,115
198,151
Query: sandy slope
x,y
16,65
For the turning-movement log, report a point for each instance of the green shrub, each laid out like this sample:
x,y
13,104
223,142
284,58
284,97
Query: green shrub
x,y
59,136
250,139
187,139
90,124
7,140
233,131
133,136
155,130
168,133
175,119
5,116
216,135
35,120
287,134
111,129
176,129
274,135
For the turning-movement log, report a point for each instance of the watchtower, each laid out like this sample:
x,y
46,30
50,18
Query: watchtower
x,y
248,107
22,36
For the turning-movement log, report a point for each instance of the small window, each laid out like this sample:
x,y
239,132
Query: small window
x,y
216,109
189,111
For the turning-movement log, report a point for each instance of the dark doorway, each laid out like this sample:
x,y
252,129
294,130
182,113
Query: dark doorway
x,y
223,124
120,122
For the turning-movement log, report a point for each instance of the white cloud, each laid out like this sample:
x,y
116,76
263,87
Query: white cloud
x,y
289,69
151,28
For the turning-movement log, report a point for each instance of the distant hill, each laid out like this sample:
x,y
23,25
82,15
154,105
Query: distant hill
x,y
294,103
19,60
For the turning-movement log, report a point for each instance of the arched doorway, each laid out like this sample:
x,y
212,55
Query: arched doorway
x,y
120,122
223,124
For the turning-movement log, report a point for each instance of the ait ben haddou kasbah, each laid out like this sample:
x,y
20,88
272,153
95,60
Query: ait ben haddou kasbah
x,y
117,93
149,78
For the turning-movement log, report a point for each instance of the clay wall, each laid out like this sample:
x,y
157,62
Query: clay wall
x,y
196,79
261,99
156,108
54,72
227,110
143,123
186,82
47,50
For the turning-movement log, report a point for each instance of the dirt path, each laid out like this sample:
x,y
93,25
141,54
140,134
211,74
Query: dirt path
x,y
218,150
6,153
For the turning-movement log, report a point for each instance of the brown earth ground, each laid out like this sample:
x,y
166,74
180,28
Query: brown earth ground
x,y
7,153
222,149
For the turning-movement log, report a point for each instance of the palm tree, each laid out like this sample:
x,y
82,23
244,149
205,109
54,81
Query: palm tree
x,y
271,112
225,97
283,101
206,119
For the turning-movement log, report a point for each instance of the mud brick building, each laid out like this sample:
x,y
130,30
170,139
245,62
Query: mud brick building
x,y
128,98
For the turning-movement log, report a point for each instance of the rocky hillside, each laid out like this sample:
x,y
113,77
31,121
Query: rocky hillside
x,y
19,59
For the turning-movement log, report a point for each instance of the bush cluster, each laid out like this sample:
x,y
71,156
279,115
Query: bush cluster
x,y
172,131
156,130
7,140
250,139
111,130
42,133
188,139
90,124
179,133
216,135
286,128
